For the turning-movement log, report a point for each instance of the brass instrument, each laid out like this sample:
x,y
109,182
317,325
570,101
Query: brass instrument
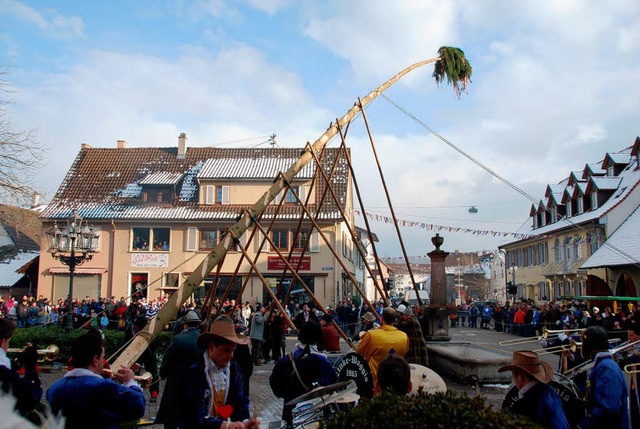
x,y
632,368
145,378
618,353
546,335
573,347
50,353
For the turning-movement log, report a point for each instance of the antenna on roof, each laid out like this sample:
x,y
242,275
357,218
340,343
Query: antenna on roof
x,y
272,140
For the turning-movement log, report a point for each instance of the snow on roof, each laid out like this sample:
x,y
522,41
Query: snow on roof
x,y
8,268
621,248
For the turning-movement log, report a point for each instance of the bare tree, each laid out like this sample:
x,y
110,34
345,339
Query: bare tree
x,y
480,285
20,154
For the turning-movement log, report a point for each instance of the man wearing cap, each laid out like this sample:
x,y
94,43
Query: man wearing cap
x,y
536,399
183,351
215,396
607,398
378,343
408,324
368,323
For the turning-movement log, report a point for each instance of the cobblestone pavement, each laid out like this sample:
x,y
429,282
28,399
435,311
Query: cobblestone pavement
x,y
267,407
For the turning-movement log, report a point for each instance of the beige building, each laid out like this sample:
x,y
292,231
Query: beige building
x,y
159,211
572,222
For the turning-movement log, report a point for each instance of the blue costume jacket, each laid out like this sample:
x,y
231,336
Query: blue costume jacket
x,y
92,401
542,405
198,393
607,396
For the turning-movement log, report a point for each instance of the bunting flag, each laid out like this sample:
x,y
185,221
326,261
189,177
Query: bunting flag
x,y
438,228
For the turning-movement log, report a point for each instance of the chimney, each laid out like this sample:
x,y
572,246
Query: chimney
x,y
85,146
182,145
35,200
121,144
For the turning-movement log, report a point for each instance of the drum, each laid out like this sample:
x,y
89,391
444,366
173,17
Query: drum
x,y
574,406
308,419
426,379
353,366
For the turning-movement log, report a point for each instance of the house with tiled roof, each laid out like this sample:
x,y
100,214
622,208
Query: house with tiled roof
x,y
20,236
159,211
581,240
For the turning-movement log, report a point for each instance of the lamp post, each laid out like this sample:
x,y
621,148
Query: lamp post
x,y
73,245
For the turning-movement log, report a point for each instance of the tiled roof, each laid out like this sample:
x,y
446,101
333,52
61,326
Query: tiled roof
x,y
8,268
261,167
604,183
615,159
23,227
621,248
108,183
627,181
163,178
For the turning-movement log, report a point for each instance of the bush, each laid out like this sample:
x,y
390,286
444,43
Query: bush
x,y
42,337
442,410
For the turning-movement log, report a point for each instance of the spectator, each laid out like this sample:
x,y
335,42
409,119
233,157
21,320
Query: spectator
x,y
257,335
330,340
408,324
394,374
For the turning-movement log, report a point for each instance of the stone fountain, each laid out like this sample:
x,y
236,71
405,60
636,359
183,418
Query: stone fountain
x,y
462,360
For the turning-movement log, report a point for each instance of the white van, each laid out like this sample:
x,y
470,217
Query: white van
x,y
411,297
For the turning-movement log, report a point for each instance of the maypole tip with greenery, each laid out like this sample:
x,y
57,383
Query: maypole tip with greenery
x,y
454,66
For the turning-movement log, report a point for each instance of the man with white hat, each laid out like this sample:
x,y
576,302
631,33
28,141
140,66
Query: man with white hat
x,y
215,394
536,399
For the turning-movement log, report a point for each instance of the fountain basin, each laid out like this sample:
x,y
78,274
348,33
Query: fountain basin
x,y
469,362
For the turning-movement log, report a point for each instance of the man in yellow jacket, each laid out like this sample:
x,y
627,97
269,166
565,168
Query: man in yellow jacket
x,y
378,343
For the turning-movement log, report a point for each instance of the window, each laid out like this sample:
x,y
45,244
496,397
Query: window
x,y
208,239
580,205
610,172
557,257
280,238
300,241
212,194
554,213
594,200
150,239
569,208
289,197
172,279
157,195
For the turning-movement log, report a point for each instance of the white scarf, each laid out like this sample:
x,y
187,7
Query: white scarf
x,y
216,378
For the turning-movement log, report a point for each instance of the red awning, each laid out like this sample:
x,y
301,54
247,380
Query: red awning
x,y
55,270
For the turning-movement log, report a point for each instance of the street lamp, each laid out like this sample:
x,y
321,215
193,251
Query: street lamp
x,y
73,245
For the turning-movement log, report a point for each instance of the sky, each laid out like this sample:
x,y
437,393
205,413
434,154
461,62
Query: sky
x,y
554,87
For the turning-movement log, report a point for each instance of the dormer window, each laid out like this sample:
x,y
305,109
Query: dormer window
x,y
594,200
569,214
157,195
580,205
212,194
610,171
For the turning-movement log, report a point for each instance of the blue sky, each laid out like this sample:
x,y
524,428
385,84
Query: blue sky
x,y
553,89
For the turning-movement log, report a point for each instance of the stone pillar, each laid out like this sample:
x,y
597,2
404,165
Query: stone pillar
x,y
436,312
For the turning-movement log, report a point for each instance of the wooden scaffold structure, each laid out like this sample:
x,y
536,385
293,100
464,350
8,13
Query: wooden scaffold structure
x,y
451,65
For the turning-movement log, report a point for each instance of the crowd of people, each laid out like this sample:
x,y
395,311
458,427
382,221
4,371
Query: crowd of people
x,y
527,318
218,348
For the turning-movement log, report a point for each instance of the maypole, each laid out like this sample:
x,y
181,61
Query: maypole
x,y
461,74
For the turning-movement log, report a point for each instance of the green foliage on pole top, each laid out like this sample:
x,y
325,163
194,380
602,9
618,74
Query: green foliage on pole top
x,y
453,66
441,410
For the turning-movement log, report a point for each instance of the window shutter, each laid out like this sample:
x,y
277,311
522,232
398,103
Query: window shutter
x,y
98,231
209,194
225,194
192,239
257,239
302,193
279,197
314,244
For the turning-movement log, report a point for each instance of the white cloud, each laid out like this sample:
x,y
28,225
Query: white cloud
x,y
49,21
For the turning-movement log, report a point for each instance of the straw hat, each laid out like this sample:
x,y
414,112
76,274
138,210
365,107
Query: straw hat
x,y
222,327
529,362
